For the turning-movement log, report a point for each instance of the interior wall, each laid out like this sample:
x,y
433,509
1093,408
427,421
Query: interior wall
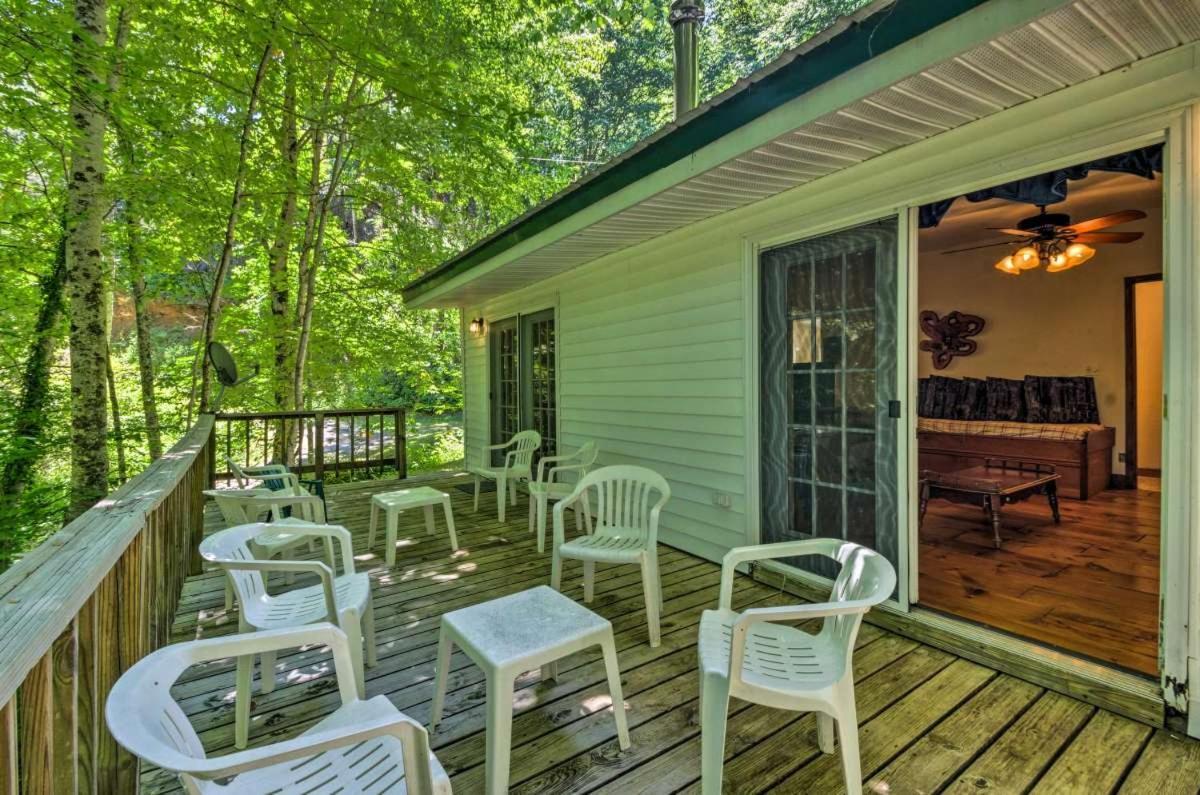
x,y
1148,332
1068,324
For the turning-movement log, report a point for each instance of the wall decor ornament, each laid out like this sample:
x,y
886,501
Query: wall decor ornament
x,y
949,336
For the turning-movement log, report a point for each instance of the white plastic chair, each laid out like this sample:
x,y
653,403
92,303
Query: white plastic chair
x,y
328,758
248,506
517,466
626,531
343,600
751,656
546,488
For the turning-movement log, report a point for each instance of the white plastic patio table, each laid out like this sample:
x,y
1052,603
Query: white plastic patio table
x,y
514,634
392,503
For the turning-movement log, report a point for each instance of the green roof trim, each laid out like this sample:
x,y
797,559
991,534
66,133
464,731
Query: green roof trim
x,y
888,27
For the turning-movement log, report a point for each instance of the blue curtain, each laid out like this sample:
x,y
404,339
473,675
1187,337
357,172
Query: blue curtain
x,y
1051,187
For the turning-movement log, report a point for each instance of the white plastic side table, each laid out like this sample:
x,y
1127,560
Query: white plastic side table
x,y
392,503
514,634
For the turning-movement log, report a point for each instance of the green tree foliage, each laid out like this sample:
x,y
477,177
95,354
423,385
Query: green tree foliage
x,y
290,166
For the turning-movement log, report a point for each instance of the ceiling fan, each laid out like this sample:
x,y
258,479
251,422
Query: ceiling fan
x,y
1051,241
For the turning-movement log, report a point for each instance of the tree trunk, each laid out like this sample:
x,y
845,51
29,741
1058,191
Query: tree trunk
x,y
314,237
25,445
145,350
213,313
86,275
310,285
277,264
133,250
118,433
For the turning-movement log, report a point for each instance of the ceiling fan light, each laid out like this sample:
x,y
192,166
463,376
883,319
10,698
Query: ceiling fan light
x,y
1079,253
1026,258
1058,262
1007,265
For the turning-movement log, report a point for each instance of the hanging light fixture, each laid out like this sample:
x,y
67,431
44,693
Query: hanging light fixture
x,y
1053,255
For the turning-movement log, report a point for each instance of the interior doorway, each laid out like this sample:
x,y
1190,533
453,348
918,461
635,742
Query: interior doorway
x,y
1040,511
1144,377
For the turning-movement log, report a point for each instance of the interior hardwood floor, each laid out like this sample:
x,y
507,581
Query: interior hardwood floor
x,y
928,721
1088,586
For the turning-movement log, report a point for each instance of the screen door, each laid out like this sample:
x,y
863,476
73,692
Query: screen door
x,y
829,404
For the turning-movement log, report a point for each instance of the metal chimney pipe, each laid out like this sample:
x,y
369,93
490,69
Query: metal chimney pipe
x,y
686,18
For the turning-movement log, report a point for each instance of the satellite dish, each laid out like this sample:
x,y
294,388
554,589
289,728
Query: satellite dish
x,y
226,370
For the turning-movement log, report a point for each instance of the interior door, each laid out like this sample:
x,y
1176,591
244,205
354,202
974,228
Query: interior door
x,y
830,402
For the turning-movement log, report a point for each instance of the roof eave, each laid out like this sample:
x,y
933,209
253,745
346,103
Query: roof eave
x,y
850,43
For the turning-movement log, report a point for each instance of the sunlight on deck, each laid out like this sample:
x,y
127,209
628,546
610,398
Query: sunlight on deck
x,y
928,721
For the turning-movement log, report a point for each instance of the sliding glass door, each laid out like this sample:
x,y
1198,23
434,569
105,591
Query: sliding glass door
x,y
829,411
523,379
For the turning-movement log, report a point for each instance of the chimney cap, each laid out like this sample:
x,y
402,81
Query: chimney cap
x,y
686,11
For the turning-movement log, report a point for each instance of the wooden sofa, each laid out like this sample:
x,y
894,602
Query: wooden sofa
x,y
1085,464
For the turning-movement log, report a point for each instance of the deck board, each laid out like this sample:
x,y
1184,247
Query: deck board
x,y
928,720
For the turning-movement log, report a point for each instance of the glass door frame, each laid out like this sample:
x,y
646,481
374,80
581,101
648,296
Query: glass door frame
x,y
1077,137
905,441
519,323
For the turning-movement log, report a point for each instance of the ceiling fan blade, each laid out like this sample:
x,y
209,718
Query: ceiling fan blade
x,y
1105,221
1020,232
1108,237
985,245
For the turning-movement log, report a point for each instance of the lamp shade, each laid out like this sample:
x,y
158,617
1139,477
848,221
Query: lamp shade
x,y
1008,265
1026,258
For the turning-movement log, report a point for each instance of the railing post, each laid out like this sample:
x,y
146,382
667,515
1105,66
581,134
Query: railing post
x,y
319,444
210,455
401,446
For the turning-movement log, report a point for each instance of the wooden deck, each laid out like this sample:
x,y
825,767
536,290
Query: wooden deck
x,y
929,722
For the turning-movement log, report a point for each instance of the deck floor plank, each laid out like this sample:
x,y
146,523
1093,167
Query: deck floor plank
x,y
1098,758
934,760
928,720
1018,759
1169,765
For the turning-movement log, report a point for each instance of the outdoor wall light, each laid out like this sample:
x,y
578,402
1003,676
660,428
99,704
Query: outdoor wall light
x,y
477,326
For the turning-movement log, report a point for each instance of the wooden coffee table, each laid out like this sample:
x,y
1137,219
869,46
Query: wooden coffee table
x,y
991,486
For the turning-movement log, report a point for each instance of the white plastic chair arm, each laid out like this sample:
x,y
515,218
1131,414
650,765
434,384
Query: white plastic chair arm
x,y
293,567
500,446
335,531
284,498
290,479
738,555
400,726
554,471
550,459
757,615
652,530
560,533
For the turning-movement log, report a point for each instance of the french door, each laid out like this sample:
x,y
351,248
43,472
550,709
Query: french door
x,y
523,378
829,391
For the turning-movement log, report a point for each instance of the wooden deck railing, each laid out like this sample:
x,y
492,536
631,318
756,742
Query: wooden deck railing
x,y
80,609
338,443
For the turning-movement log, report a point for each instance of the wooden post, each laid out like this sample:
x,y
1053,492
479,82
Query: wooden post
x,y
9,772
211,453
34,725
319,443
401,443
64,733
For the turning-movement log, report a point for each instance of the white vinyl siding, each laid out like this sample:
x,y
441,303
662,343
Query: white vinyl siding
x,y
650,367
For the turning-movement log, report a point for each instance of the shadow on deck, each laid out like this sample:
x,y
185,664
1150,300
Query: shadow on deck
x,y
929,722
